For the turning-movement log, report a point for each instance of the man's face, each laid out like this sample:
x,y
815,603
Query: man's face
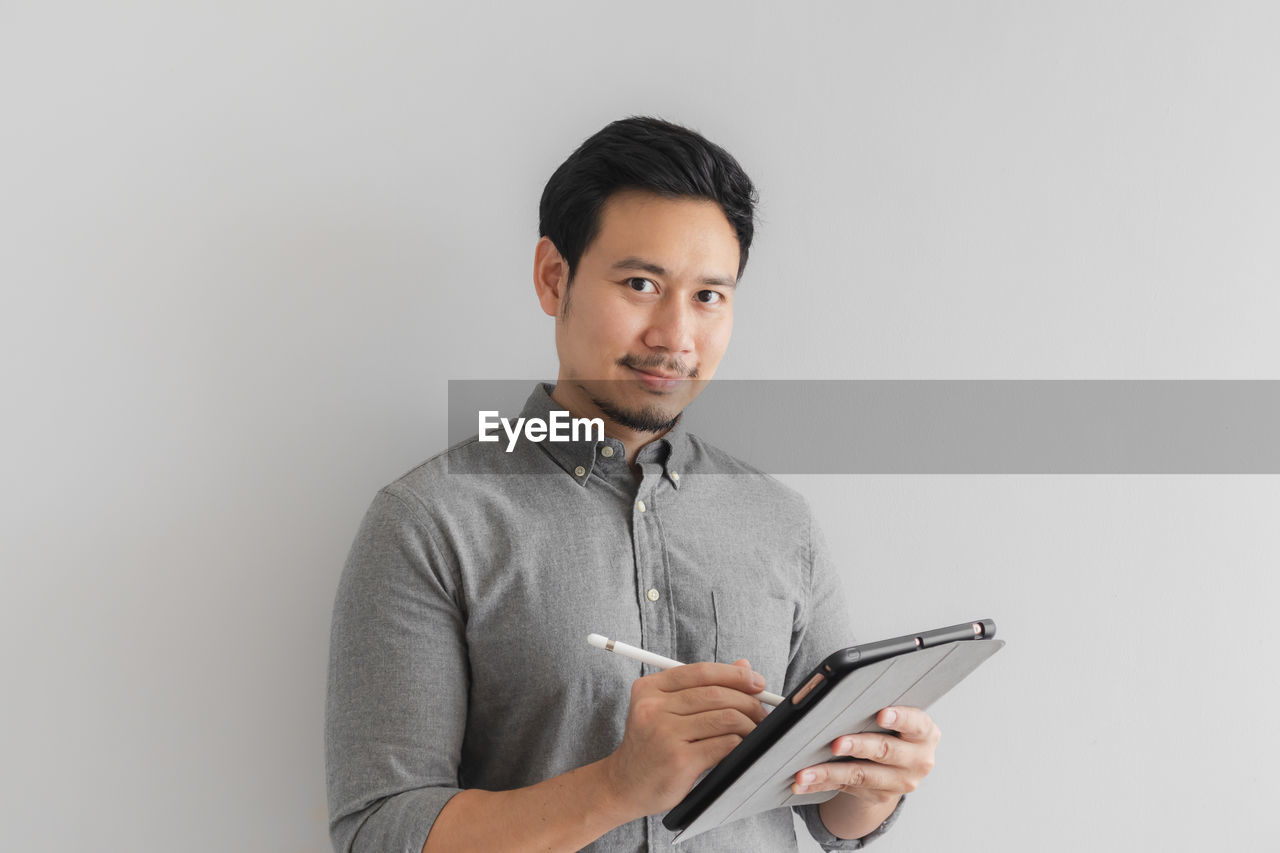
x,y
649,312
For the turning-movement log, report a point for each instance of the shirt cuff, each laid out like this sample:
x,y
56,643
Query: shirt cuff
x,y
828,841
395,824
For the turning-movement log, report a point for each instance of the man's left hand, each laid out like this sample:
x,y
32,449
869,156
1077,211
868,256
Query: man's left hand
x,y
887,765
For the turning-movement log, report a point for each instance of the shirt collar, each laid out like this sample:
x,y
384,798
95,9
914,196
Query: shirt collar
x,y
579,458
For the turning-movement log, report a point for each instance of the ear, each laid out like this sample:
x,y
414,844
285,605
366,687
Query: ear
x,y
550,276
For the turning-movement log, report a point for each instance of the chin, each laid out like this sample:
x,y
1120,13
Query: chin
x,y
638,414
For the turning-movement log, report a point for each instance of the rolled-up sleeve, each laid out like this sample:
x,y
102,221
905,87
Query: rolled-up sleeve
x,y
397,686
826,626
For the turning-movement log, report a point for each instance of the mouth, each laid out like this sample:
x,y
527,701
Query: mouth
x,y
657,381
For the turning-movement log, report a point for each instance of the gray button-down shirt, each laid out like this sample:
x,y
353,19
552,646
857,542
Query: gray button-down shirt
x,y
459,659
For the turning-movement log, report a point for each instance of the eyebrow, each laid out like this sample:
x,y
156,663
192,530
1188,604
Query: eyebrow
x,y
634,263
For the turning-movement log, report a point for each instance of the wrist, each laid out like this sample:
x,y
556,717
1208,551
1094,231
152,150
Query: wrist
x,y
610,791
849,815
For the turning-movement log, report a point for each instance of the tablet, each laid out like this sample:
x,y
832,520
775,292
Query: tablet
x,y
840,696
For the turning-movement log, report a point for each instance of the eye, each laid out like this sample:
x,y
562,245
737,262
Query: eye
x,y
642,285
709,297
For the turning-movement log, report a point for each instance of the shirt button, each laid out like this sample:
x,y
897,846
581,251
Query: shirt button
x,y
652,595
675,475
580,471
640,505
606,451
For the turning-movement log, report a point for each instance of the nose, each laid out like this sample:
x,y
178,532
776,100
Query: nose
x,y
671,328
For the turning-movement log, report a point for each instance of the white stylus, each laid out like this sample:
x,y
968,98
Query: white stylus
x,y
621,648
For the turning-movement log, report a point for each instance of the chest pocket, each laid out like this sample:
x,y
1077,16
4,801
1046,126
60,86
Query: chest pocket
x,y
755,626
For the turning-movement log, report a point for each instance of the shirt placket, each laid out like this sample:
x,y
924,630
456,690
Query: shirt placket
x,y
657,622
652,583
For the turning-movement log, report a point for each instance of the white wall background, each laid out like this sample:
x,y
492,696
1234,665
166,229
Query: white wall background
x,y
245,245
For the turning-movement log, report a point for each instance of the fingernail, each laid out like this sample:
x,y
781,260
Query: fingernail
x,y
844,747
757,681
807,776
890,717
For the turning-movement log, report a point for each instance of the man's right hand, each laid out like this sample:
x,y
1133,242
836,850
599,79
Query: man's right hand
x,y
681,722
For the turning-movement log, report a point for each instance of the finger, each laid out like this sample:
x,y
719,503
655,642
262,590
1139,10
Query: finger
x,y
911,723
882,749
710,724
711,751
705,673
695,700
851,776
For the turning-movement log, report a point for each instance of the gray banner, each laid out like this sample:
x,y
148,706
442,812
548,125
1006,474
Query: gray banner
x,y
964,426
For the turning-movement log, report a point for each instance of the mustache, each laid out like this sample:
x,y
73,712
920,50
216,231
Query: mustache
x,y
659,362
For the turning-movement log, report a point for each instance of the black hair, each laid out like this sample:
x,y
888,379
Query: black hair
x,y
646,154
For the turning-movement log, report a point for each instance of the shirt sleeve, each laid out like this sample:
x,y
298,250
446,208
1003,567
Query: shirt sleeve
x,y
397,689
825,627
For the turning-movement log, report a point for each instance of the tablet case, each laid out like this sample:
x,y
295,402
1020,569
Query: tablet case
x,y
916,679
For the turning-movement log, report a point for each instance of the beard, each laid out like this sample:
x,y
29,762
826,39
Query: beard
x,y
643,419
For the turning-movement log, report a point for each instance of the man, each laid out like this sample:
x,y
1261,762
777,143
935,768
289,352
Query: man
x,y
466,711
